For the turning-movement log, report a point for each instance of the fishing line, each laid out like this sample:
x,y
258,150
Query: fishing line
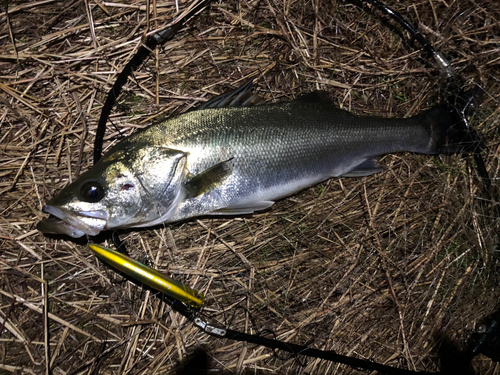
x,y
189,302
191,314
294,349
277,344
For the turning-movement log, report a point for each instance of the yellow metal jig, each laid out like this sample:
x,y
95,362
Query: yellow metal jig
x,y
149,276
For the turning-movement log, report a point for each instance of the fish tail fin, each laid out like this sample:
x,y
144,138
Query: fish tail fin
x,y
449,126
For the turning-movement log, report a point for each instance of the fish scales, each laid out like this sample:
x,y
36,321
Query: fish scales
x,y
297,145
237,160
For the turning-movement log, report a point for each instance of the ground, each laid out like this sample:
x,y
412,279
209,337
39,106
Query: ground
x,y
394,268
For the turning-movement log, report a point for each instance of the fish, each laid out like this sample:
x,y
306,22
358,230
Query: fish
x,y
235,155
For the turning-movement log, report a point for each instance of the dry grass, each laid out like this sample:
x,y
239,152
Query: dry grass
x,y
379,268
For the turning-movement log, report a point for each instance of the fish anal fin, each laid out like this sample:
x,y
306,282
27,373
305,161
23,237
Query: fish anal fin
x,y
365,168
209,179
244,209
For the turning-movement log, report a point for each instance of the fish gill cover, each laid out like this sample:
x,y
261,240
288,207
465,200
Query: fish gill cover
x,y
387,267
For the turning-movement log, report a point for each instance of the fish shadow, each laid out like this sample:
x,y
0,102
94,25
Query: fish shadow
x,y
453,360
199,361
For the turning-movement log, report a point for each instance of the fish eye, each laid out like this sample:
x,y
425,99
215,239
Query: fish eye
x,y
92,191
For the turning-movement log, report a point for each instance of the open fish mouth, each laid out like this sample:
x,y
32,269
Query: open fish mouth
x,y
71,223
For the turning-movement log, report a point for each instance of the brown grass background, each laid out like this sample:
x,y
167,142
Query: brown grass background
x,y
382,268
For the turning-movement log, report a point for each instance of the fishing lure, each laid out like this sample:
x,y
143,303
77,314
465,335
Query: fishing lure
x,y
149,276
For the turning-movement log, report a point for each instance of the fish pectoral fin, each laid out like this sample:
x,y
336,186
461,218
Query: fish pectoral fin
x,y
240,97
208,179
365,168
244,209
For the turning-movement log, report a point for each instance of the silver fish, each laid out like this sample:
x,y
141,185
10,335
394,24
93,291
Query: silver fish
x,y
235,159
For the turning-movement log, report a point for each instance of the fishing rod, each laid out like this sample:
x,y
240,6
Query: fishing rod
x,y
188,302
151,42
467,101
441,62
460,98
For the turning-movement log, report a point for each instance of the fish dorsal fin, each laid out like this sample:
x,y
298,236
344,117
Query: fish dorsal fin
x,y
240,97
315,97
208,179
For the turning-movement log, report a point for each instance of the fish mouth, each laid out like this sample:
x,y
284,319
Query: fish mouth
x,y
72,223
